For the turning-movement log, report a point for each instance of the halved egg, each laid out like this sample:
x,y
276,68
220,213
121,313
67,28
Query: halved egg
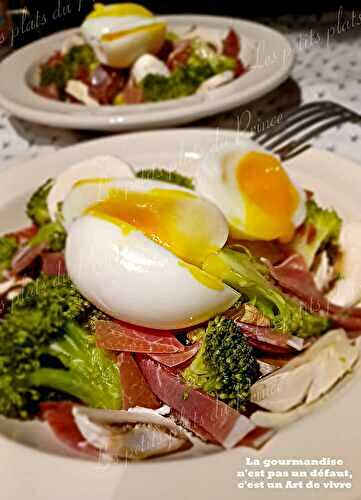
x,y
253,190
95,168
134,247
120,33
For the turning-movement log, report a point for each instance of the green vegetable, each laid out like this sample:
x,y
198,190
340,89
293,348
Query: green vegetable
x,y
321,228
37,208
8,248
203,53
225,366
52,235
77,57
203,63
45,352
172,177
250,277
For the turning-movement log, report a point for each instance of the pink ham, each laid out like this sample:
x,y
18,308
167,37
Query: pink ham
x,y
25,234
178,358
223,423
24,257
120,336
266,339
293,276
136,391
231,44
60,418
53,263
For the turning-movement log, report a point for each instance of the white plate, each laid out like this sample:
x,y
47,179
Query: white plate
x,y
270,63
34,465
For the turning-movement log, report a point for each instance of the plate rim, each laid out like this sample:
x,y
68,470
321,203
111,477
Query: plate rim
x,y
177,115
21,455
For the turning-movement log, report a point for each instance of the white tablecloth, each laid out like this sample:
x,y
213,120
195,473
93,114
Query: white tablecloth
x,y
328,50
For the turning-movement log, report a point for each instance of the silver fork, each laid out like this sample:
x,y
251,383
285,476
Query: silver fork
x,y
291,136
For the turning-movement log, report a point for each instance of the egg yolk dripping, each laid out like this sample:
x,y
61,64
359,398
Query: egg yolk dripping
x,y
270,199
175,219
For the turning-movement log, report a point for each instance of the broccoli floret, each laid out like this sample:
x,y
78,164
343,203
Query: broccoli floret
x,y
202,53
55,73
171,177
52,236
225,366
184,81
37,208
77,57
250,277
44,350
321,228
8,248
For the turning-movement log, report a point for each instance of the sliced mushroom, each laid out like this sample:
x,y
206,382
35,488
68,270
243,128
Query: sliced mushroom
x,y
216,81
73,41
148,65
80,92
130,434
305,379
323,272
13,286
347,290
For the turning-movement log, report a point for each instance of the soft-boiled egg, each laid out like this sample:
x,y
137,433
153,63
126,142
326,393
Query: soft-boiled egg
x,y
253,190
97,167
134,248
120,33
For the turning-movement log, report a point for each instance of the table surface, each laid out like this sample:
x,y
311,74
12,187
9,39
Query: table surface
x,y
328,61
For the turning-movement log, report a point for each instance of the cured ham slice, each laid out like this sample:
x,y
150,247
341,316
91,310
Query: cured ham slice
x,y
223,423
25,234
53,263
120,336
231,44
24,257
136,391
269,340
293,276
60,418
178,358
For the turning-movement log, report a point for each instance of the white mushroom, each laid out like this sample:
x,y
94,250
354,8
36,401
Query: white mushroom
x,y
13,286
133,434
347,290
323,272
148,65
213,37
73,41
307,377
216,81
92,168
80,92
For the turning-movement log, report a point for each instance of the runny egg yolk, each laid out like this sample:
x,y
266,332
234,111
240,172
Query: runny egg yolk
x,y
172,218
269,197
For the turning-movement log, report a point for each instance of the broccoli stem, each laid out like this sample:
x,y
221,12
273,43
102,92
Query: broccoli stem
x,y
64,381
250,277
90,375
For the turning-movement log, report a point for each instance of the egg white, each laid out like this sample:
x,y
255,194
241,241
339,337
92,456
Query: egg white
x,y
85,195
216,181
98,167
131,278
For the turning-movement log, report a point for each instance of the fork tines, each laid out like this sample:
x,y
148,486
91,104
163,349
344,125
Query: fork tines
x,y
299,125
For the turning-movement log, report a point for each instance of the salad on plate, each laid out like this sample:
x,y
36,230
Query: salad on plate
x,y
123,54
144,313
